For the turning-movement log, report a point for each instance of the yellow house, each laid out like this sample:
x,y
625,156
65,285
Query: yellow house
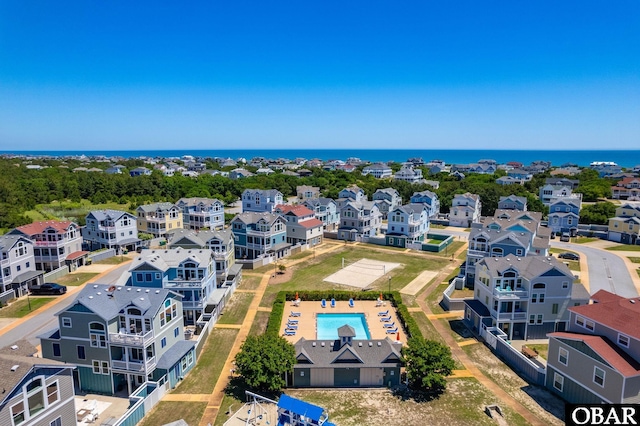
x,y
159,218
625,227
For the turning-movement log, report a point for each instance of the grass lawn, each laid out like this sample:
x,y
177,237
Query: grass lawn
x,y
624,247
574,265
249,282
541,349
170,411
202,378
309,274
259,325
301,255
115,260
583,240
465,292
69,210
635,259
20,308
236,308
77,278
433,299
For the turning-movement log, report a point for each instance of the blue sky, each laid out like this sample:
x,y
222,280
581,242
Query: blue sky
x,y
325,74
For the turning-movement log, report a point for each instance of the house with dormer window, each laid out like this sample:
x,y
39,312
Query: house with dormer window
x,y
564,214
625,226
198,213
430,200
260,235
190,273
111,229
525,297
408,224
18,265
596,360
513,202
56,243
118,337
159,218
508,232
387,199
346,362
302,226
222,246
353,193
35,391
261,200
465,209
627,189
326,211
358,220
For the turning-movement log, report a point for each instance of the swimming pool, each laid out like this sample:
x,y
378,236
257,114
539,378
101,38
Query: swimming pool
x,y
328,324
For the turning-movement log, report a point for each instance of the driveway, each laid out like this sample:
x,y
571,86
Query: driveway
x,y
607,270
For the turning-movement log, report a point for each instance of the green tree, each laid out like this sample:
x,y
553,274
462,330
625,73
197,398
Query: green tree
x,y
598,213
428,363
264,360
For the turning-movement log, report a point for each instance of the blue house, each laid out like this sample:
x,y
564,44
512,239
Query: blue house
x,y
198,213
430,200
261,200
508,232
407,225
190,273
564,214
513,202
260,235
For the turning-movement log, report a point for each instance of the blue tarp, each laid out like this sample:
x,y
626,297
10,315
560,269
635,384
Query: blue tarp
x,y
300,407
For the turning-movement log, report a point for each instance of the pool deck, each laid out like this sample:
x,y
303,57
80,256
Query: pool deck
x,y
308,310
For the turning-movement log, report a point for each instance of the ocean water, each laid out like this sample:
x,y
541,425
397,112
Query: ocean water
x,y
625,158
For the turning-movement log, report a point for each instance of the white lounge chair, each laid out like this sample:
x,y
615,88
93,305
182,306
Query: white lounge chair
x,y
383,313
294,314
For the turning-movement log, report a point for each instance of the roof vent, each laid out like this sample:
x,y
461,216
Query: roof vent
x,y
99,293
129,289
632,301
95,286
157,291
322,344
119,288
142,298
360,344
370,344
379,343
15,367
147,290
139,290
90,297
14,347
313,344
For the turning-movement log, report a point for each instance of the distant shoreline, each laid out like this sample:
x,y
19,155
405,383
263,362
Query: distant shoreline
x,y
624,158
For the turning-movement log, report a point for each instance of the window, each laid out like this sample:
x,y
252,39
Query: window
x,y
580,321
539,319
81,353
56,422
190,358
589,325
558,381
532,319
184,363
565,284
623,340
563,356
35,398
97,335
534,298
66,322
96,367
541,298
176,332
554,309
105,367
598,376
139,276
163,342
17,413
56,349
157,275
52,393
147,277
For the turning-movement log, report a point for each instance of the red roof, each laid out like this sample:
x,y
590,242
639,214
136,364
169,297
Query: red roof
x,y
76,255
628,180
613,311
34,228
298,210
611,353
311,223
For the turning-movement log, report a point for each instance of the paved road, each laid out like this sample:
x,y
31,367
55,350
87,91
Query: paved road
x,y
46,320
607,271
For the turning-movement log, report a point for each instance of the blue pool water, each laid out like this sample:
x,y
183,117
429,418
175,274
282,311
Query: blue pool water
x,y
328,324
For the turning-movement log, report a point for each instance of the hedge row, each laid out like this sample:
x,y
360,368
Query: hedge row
x,y
404,317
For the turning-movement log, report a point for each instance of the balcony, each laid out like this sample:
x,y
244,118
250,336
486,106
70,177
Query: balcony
x,y
261,247
254,232
196,283
192,304
49,243
512,316
477,253
516,294
131,339
134,366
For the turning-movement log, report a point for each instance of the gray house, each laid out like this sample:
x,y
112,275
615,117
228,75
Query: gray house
x,y
198,213
35,391
325,210
346,362
119,336
526,297
112,229
513,202
18,271
597,359
387,199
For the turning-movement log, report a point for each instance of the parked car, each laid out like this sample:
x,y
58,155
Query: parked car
x,y
48,288
569,256
565,237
